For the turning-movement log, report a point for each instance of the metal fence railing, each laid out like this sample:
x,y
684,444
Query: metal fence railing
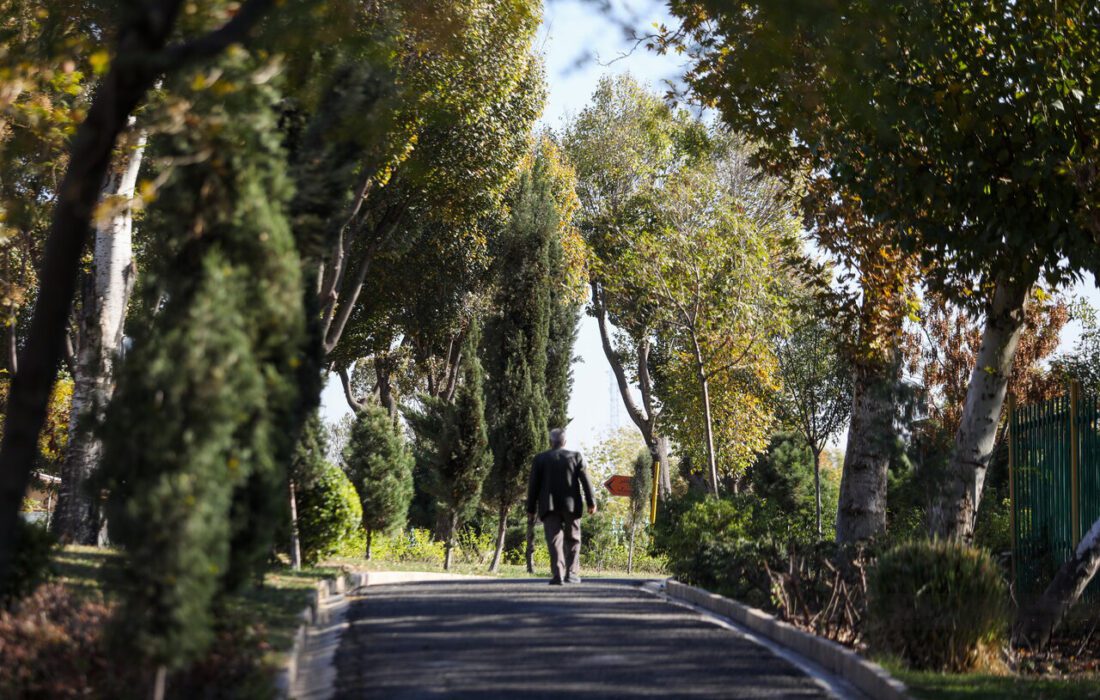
x,y
1054,485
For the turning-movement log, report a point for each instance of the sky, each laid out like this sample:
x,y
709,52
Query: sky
x,y
580,45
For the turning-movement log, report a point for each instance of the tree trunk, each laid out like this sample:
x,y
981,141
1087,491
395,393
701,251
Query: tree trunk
x,y
494,566
956,506
861,510
817,489
448,553
370,536
666,471
295,541
704,392
630,549
1037,623
140,54
102,321
385,390
645,418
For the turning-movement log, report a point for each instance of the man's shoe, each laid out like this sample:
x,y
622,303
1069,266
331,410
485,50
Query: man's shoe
x,y
572,579
555,582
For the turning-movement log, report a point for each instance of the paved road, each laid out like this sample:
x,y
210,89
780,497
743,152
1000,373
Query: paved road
x,y
505,639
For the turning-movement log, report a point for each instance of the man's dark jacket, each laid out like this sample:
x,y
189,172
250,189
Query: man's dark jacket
x,y
557,478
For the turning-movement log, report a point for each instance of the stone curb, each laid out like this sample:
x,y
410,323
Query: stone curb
x,y
867,676
324,595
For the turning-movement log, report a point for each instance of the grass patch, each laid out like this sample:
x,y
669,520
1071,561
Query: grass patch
x,y
277,604
975,686
506,570
83,569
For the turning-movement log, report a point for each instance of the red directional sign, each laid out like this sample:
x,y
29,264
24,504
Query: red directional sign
x,y
620,485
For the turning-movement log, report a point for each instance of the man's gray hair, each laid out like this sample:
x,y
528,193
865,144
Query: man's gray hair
x,y
557,438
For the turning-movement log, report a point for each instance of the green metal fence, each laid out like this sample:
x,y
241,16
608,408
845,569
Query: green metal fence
x,y
1054,482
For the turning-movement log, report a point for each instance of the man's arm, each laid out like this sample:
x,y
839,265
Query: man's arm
x,y
533,486
582,474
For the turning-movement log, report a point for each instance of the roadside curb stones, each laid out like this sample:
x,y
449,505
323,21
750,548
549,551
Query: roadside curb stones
x,y
867,676
308,672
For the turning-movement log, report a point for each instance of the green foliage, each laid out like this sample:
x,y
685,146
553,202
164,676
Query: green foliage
x,y
686,242
937,605
517,333
310,458
379,465
453,442
1082,363
970,130
783,479
31,564
329,513
817,385
203,419
414,545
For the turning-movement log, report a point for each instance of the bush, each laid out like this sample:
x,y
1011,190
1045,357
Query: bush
x,y
52,646
329,514
936,605
413,545
31,564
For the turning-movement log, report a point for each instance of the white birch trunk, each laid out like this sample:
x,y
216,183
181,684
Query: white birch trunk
x,y
955,509
295,539
104,315
1037,624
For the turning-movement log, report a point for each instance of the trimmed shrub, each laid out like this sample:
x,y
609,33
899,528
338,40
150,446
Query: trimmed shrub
x,y
936,605
329,514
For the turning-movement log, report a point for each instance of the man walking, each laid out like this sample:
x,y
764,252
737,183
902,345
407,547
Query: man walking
x,y
554,495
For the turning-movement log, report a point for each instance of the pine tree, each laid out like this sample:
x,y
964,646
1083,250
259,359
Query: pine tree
x,y
516,342
379,464
202,420
454,444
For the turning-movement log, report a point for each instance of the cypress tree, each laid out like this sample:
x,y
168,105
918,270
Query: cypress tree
x,y
307,465
562,337
641,490
516,341
454,444
203,417
379,464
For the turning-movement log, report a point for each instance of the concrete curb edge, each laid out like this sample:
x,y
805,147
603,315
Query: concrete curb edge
x,y
324,591
867,676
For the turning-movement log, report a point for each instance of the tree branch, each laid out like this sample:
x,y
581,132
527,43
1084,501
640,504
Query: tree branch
x,y
235,31
345,380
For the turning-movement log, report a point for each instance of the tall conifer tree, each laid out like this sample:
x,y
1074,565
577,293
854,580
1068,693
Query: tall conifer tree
x,y
203,419
516,340
454,444
379,464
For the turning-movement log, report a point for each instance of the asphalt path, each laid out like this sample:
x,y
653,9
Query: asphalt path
x,y
489,639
